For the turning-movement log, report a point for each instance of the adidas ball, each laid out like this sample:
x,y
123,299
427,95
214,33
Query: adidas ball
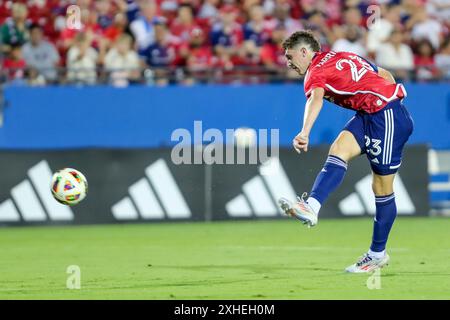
x,y
69,186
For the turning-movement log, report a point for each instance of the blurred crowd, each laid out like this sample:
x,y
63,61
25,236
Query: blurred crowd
x,y
125,42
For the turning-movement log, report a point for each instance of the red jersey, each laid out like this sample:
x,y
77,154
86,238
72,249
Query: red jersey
x,y
200,58
15,68
350,82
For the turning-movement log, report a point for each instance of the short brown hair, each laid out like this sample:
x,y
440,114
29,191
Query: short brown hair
x,y
299,37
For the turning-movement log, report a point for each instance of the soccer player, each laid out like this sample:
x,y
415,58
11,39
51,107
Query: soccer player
x,y
380,128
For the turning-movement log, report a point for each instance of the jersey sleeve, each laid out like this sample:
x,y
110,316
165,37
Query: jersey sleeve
x,y
316,79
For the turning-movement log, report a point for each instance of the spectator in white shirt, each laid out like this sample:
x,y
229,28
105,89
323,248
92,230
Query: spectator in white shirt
x,y
82,60
380,30
41,54
439,9
396,56
424,27
122,62
208,10
351,43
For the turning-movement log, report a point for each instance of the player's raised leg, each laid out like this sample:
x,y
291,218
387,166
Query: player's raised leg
x,y
344,148
386,212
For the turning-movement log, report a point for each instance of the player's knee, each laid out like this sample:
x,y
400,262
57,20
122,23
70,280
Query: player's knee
x,y
382,188
338,150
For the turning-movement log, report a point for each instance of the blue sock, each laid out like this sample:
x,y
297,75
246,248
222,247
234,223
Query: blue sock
x,y
329,178
384,219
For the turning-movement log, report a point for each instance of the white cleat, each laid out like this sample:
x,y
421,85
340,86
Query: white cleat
x,y
299,210
368,264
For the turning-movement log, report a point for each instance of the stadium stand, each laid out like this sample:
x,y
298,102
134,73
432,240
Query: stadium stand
x,y
188,41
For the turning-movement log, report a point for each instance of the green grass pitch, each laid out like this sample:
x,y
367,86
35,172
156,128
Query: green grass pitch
x,y
224,260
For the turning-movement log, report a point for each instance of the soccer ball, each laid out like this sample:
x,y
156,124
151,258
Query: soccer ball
x,y
245,137
69,186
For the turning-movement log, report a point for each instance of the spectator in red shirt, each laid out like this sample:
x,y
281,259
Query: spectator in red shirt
x,y
88,25
39,12
118,28
14,64
424,61
272,53
184,23
200,59
4,11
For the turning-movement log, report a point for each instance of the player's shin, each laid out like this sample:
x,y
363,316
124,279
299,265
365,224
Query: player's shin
x,y
328,179
386,211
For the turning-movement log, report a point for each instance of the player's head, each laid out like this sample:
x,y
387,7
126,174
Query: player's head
x,y
299,50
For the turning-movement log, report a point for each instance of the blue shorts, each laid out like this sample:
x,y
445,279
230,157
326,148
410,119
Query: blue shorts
x,y
382,135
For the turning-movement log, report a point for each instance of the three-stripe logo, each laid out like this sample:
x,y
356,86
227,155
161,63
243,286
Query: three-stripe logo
x,y
32,200
260,193
388,136
361,201
153,197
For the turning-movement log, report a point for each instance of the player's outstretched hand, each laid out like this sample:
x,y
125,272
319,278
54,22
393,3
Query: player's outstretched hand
x,y
300,142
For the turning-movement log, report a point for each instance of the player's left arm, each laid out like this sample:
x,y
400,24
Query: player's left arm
x,y
386,75
312,110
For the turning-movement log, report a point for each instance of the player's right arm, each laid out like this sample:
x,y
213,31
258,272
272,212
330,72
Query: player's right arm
x,y
386,75
312,109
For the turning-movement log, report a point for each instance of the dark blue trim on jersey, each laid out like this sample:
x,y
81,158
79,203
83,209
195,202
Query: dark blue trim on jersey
x,y
373,65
